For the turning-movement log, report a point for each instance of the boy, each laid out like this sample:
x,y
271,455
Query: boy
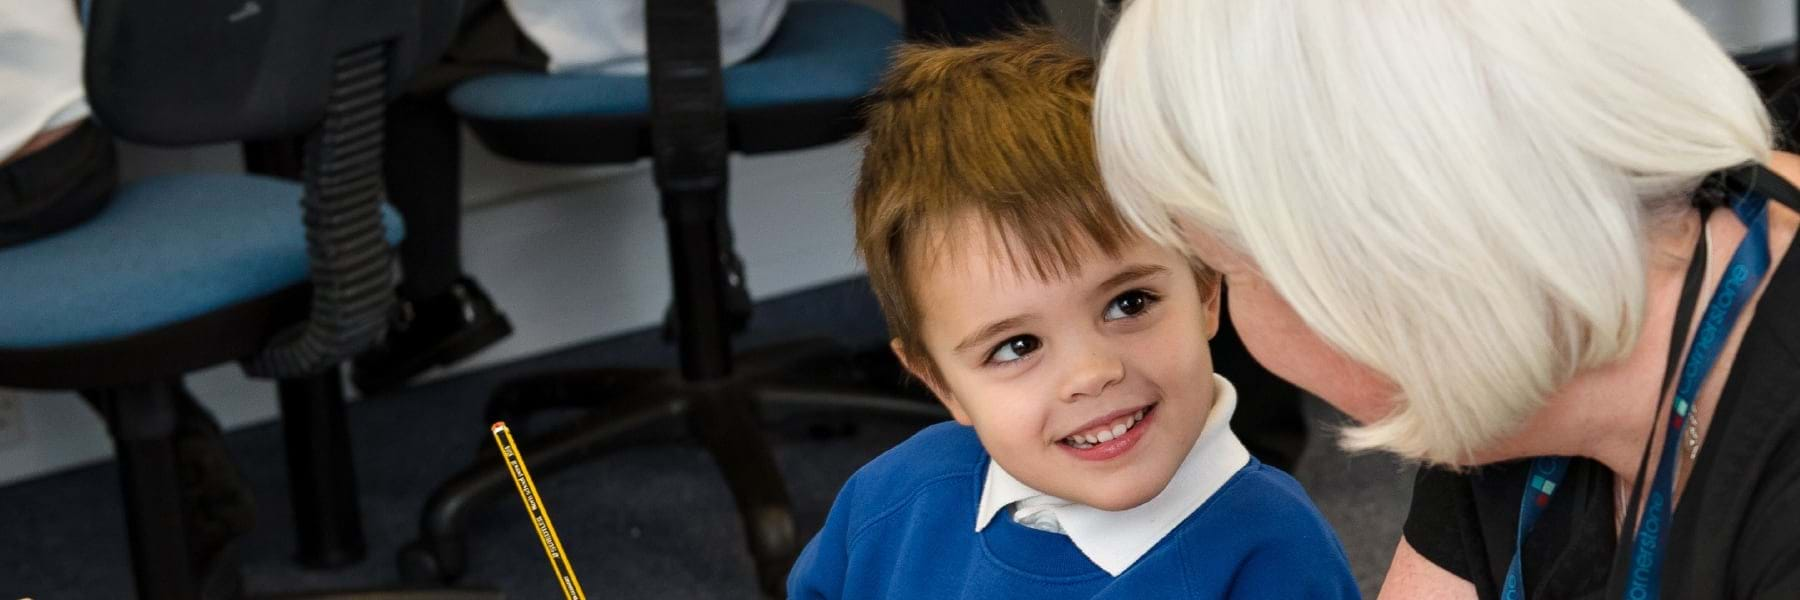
x,y
1091,456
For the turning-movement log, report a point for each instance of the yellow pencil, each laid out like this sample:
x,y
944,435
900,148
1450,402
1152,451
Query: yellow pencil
x,y
540,518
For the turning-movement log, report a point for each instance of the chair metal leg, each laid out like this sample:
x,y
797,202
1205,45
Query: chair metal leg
x,y
321,473
724,422
143,420
696,255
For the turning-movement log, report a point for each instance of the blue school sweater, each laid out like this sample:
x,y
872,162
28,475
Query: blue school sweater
x,y
901,528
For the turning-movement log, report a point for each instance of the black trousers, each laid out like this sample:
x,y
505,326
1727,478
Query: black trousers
x,y
58,186
422,163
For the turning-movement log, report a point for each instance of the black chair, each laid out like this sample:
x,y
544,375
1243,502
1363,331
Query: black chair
x,y
184,272
802,90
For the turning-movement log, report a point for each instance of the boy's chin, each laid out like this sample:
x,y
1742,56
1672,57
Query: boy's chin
x,y
1121,495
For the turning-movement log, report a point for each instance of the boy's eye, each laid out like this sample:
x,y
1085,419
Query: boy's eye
x,y
1014,348
1129,304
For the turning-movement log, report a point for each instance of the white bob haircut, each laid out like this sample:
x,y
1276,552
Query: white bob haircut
x,y
1455,193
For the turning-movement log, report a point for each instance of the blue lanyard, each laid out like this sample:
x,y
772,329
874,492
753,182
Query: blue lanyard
x,y
1742,275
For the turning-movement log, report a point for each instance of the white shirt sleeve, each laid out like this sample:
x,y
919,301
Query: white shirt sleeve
x,y
607,36
40,69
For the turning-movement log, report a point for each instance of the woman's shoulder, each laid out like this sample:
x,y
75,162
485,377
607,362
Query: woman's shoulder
x,y
1784,219
1465,521
1772,341
1775,328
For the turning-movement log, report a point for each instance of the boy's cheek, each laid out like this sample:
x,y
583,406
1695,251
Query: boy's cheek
x,y
1176,351
956,410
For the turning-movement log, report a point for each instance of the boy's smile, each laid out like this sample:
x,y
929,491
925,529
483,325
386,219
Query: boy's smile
x,y
1087,385
1110,436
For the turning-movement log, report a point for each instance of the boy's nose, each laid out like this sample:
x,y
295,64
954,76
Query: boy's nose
x,y
1090,375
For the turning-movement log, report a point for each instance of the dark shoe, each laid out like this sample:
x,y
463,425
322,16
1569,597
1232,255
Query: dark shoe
x,y
430,332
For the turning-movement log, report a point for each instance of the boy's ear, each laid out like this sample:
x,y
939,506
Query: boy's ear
x,y
931,383
1212,305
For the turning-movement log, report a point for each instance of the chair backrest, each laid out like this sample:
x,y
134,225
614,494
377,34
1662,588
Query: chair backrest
x,y
174,72
199,71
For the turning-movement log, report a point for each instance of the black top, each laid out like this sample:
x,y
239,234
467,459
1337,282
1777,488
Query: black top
x,y
1736,533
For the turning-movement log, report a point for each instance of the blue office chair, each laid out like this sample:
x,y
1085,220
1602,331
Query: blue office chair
x,y
183,272
802,90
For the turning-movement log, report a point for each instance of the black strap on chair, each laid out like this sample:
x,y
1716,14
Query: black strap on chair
x,y
690,146
687,91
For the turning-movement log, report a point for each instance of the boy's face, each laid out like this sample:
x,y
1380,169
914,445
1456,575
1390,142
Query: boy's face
x,y
1055,375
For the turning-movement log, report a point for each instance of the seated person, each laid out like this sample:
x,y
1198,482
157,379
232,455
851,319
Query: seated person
x,y
1091,455
56,167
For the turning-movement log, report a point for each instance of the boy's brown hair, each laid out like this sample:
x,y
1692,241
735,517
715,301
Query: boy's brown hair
x,y
1001,131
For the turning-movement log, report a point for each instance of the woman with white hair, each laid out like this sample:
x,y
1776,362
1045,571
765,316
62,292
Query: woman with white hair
x,y
1524,242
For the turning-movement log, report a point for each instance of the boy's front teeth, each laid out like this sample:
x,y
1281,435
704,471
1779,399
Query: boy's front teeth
x,y
1101,435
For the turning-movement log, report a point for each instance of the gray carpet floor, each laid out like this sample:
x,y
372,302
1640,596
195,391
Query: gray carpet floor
x,y
652,521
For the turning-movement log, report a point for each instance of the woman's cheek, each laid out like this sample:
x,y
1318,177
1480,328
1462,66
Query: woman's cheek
x,y
1266,326
1279,340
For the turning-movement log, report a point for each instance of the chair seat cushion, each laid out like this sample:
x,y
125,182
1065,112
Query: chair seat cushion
x,y
824,50
167,249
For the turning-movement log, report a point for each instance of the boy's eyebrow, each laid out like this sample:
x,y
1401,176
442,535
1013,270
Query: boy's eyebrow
x,y
1128,274
990,331
1131,273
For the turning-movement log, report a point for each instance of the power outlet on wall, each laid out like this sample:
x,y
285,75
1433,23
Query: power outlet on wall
x,y
12,419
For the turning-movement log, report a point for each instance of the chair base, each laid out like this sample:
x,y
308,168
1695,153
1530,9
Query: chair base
x,y
724,416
